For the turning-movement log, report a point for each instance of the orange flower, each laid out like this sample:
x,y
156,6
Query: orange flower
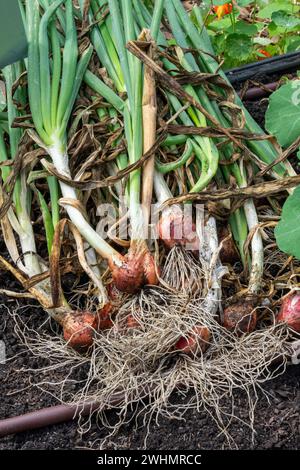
x,y
265,53
223,10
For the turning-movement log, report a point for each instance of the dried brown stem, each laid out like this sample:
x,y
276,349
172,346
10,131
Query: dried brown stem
x,y
171,84
256,191
291,149
216,133
43,299
111,180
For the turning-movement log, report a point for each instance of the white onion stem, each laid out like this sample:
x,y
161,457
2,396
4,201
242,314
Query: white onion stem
x,y
257,249
162,191
60,161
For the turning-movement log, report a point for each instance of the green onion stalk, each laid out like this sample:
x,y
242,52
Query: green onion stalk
x,y
52,93
109,38
90,253
263,149
17,222
184,28
184,31
173,221
19,218
53,89
204,149
121,161
237,220
194,29
104,37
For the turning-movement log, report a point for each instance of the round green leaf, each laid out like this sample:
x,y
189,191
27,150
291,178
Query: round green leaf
x,y
285,20
219,43
215,3
220,25
283,114
241,27
293,44
244,3
269,9
238,46
287,232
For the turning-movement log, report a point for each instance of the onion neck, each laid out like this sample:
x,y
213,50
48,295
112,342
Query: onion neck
x,y
257,248
61,163
162,191
132,271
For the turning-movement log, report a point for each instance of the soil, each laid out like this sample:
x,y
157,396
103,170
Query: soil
x,y
277,421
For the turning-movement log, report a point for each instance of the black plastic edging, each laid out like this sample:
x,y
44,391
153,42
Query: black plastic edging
x,y
282,63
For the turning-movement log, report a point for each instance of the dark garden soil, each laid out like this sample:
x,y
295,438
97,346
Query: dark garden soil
x,y
277,421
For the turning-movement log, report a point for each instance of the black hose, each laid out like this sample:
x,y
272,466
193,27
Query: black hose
x,y
63,413
278,64
44,417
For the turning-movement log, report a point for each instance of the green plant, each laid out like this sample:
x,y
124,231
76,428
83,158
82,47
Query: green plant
x,y
283,121
287,231
253,30
283,114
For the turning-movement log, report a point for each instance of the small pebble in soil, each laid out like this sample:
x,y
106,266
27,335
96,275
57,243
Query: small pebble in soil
x,y
2,352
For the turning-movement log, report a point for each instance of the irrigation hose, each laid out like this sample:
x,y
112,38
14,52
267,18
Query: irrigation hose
x,y
253,94
45,417
63,413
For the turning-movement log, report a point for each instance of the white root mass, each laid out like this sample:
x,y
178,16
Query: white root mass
x,y
138,369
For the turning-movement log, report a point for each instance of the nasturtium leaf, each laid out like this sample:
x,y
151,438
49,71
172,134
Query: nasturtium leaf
x,y
215,3
238,46
220,25
272,49
244,3
293,44
283,114
269,9
287,232
285,20
241,27
274,30
219,43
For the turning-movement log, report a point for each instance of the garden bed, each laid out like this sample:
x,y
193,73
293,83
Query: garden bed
x,y
276,423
